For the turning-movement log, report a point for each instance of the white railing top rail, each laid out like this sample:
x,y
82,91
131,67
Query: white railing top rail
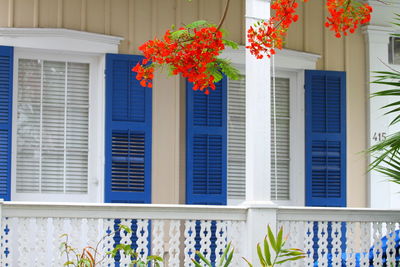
x,y
122,211
337,214
190,212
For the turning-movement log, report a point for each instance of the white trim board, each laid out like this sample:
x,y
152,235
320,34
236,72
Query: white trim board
x,y
60,40
285,59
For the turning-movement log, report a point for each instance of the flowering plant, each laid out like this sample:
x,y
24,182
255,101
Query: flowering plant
x,y
193,51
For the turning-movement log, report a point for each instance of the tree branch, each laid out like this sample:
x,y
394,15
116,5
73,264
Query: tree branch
x,y
224,15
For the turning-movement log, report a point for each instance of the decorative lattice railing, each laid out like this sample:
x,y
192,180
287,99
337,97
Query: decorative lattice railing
x,y
343,237
30,232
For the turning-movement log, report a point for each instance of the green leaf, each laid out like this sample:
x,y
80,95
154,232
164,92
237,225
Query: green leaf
x,y
260,256
201,256
125,228
178,34
230,43
271,238
249,263
197,24
228,69
279,239
196,263
267,252
226,250
229,259
290,259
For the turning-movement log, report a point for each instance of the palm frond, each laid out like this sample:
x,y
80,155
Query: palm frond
x,y
385,150
391,168
389,78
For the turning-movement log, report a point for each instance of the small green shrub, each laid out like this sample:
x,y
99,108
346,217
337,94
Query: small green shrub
x,y
91,257
266,256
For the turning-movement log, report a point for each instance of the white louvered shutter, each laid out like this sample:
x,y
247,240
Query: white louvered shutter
x,y
52,127
280,171
236,139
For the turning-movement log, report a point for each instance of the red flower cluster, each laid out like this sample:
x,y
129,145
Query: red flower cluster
x,y
346,15
266,36
189,52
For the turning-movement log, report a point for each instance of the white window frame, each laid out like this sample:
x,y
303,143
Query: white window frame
x,y
94,121
67,46
288,64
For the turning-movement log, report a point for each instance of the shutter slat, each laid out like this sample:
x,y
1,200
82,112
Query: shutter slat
x,y
325,138
128,133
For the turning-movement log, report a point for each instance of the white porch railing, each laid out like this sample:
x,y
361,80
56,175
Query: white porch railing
x,y
30,232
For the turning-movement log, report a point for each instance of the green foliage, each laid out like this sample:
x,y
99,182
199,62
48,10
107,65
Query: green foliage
x,y
90,256
221,66
278,254
231,44
226,258
387,152
198,23
230,71
267,257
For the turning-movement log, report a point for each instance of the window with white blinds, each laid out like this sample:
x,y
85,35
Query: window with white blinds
x,y
280,140
237,140
52,127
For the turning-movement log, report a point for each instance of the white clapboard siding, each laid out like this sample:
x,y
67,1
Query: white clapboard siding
x,y
237,140
280,140
52,127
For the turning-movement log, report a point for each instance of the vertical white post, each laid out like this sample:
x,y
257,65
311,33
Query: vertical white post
x,y
258,113
258,145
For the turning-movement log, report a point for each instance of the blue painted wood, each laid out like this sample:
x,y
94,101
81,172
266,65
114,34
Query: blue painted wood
x,y
325,152
6,94
128,131
206,145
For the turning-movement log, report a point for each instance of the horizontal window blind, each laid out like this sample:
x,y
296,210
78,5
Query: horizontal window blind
x,y
52,127
237,140
280,140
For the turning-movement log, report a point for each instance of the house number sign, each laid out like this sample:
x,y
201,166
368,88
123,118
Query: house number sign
x,y
379,136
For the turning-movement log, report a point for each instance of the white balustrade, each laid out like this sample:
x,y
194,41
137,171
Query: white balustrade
x,y
30,233
345,237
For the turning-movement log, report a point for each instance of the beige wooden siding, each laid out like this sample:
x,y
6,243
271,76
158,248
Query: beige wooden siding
x,y
345,54
140,20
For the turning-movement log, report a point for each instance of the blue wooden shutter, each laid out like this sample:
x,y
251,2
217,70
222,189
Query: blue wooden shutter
x,y
128,133
6,89
206,143
325,138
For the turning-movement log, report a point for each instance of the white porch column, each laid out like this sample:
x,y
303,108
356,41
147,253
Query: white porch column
x,y
382,194
257,113
258,145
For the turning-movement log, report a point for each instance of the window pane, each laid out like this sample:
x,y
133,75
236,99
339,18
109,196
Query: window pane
x,y
236,139
52,126
280,139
